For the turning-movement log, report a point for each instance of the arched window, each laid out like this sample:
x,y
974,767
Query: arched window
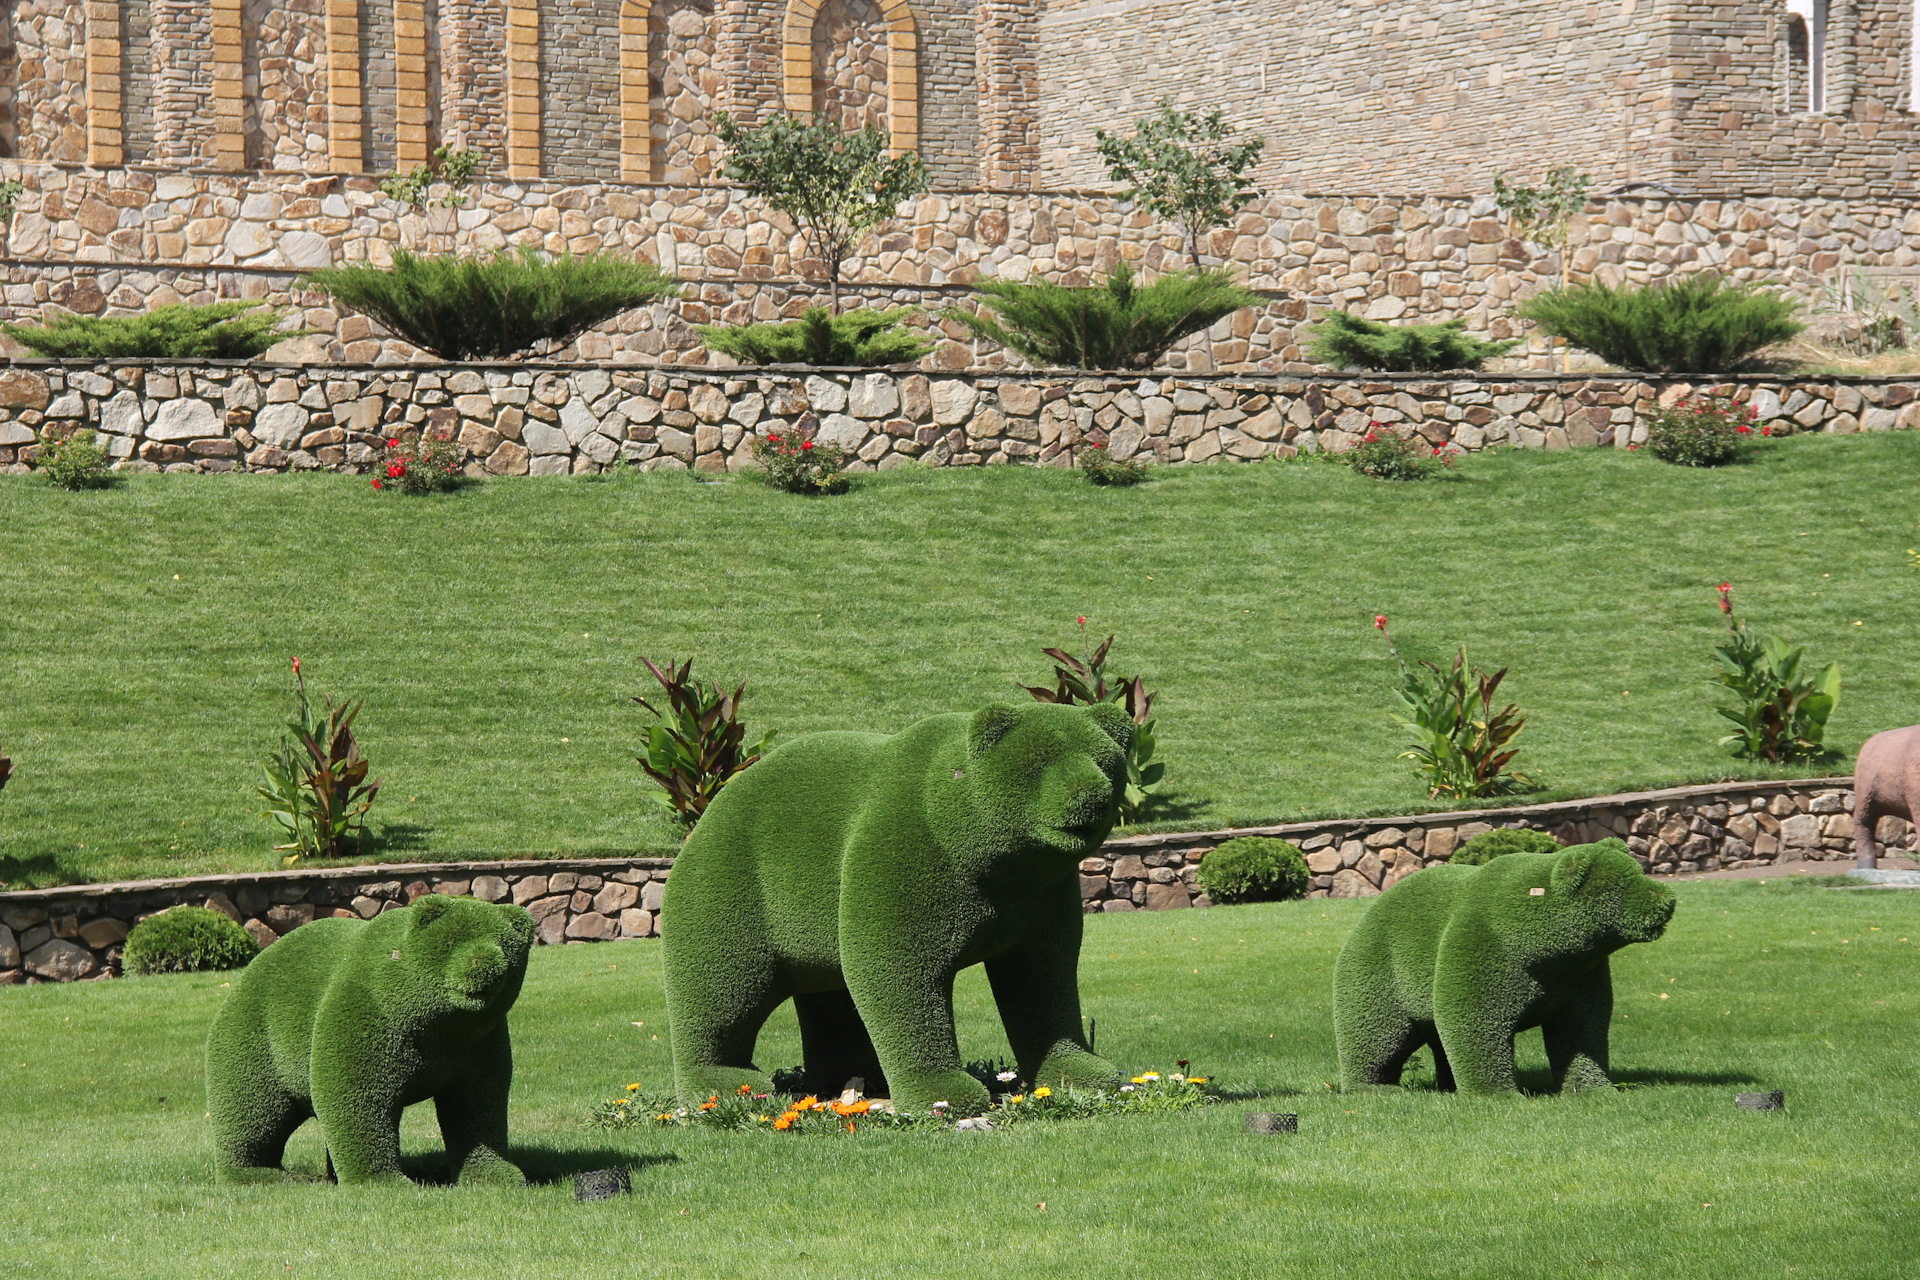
x,y
1805,80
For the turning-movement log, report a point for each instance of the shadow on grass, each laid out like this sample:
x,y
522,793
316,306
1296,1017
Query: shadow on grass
x,y
398,837
30,872
544,1166
1646,1077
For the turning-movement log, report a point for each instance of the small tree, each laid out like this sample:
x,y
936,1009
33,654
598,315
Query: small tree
x,y
1186,168
1544,214
835,185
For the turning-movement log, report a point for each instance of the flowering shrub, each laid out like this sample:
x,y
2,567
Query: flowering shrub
x,y
426,463
1461,744
1781,707
1100,467
799,463
76,462
1014,1103
1702,431
1385,454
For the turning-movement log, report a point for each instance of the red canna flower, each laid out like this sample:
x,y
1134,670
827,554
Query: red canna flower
x,y
1380,621
396,469
296,666
1726,597
1083,619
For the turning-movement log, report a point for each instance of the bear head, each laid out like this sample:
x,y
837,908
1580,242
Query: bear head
x,y
1615,902
471,955
1049,775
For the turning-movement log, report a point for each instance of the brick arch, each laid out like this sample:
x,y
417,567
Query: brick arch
x,y
903,66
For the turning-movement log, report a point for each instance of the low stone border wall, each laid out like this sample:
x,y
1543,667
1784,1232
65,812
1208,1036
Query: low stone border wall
x,y
521,419
66,934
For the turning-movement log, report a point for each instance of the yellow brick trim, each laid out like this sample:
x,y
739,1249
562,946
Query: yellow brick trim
x,y
345,146
229,92
411,114
105,147
636,97
903,68
523,89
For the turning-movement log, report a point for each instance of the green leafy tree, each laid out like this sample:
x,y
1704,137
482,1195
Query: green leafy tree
x,y
1701,323
1186,168
836,186
448,167
1544,214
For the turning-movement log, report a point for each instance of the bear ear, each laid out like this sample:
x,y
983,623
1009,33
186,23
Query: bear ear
x,y
429,907
990,724
1573,868
1114,722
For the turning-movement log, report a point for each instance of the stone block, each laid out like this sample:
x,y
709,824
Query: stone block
x,y
98,934
635,923
528,888
489,888
1167,897
61,961
591,926
184,420
614,898
1351,884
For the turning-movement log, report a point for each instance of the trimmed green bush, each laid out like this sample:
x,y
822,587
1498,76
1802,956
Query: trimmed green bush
x,y
1116,325
187,940
74,462
234,330
494,305
1694,324
858,873
350,1021
1488,845
1343,340
1254,869
1461,959
819,337
1101,468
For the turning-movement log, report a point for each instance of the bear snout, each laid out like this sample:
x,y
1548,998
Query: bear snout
x,y
476,970
1645,915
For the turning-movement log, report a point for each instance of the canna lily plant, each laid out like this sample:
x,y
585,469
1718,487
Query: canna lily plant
x,y
698,746
1083,682
1782,705
1461,745
316,788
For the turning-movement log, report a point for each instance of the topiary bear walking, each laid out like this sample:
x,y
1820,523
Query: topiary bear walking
x,y
1462,958
351,1021
859,873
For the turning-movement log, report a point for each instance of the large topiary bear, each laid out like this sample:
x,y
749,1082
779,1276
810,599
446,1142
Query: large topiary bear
x,y
1462,958
352,1020
858,873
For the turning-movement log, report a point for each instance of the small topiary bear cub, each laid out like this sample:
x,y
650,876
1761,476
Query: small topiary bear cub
x,y
1462,958
351,1021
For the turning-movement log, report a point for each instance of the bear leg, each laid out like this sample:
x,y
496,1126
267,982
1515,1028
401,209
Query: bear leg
x,y
718,998
910,1009
835,1045
1576,1034
472,1111
1373,1032
1037,991
253,1113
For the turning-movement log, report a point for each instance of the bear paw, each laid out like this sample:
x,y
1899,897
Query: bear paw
x,y
1074,1067
914,1093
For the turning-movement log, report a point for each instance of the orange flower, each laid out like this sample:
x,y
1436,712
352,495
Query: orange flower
x,y
744,1089
708,1106
850,1126
851,1108
784,1122
807,1103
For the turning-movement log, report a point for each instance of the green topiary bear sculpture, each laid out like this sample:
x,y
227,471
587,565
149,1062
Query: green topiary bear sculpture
x,y
1463,958
350,1021
858,873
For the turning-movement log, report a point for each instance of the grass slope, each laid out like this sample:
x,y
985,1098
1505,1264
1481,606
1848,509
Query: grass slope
x,y
495,633
1764,986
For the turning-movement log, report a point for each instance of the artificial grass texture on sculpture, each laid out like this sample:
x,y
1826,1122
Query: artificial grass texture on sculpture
x,y
1253,869
186,940
351,1021
857,873
1460,959
1488,845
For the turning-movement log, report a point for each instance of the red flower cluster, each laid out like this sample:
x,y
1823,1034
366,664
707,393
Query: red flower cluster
x,y
1726,597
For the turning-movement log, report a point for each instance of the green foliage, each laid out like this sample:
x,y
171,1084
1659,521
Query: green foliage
x,y
1082,681
858,874
350,1021
1100,467
801,464
316,788
187,940
235,330
1694,324
451,168
1254,869
10,192
1781,704
856,339
1703,431
74,461
1184,168
1385,454
494,305
421,462
1544,214
1116,325
836,186
698,747
1461,959
1461,745
1488,845
1342,340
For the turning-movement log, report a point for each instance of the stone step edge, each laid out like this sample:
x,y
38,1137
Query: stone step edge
x,y
1122,845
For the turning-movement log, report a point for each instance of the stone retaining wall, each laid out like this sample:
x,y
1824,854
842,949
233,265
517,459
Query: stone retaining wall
x,y
67,934
559,419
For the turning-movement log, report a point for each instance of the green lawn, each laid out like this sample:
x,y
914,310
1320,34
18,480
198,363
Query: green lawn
x,y
495,634
108,1170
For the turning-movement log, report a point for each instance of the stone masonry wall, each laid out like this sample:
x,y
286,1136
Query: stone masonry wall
x,y
580,88
284,72
559,420
50,56
67,934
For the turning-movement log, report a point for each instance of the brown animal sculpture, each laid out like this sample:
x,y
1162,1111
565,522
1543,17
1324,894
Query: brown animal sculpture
x,y
1886,781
